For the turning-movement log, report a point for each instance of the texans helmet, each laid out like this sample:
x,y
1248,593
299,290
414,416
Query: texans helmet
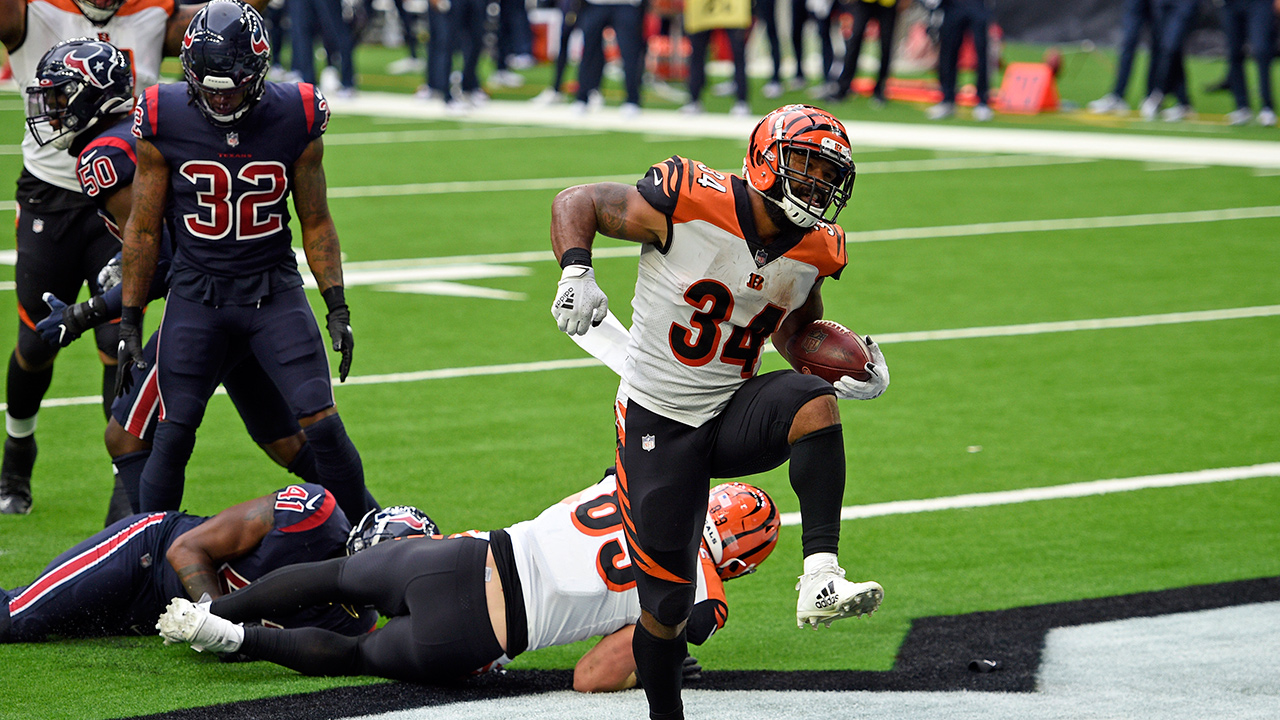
x,y
393,523
99,11
741,529
808,150
225,58
76,83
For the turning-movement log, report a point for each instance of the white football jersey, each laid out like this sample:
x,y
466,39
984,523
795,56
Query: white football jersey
x,y
138,29
576,573
707,302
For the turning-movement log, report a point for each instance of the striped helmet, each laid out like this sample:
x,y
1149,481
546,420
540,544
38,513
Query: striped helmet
x,y
808,148
741,529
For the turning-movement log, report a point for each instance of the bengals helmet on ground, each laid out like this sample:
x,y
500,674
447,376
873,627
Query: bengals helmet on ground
x,y
393,523
225,58
76,83
799,158
741,529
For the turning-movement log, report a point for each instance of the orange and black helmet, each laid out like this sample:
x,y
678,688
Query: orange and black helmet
x,y
808,149
741,529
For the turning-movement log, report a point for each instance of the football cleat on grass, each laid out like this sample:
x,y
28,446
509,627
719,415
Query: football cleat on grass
x,y
186,622
825,596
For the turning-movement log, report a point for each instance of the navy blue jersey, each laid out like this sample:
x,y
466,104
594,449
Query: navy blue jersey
x,y
229,187
106,165
119,580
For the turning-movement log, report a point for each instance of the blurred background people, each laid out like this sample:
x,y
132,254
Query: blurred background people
x,y
1138,15
626,17
1252,23
1174,22
305,18
885,14
700,21
959,16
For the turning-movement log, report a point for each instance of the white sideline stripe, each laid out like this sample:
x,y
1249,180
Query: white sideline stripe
x,y
930,136
1053,492
961,333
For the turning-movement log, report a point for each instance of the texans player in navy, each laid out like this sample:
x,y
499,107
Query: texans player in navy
x,y
61,245
89,84
119,581
221,153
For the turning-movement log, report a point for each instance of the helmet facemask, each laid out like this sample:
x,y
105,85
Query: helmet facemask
x,y
99,11
47,114
813,183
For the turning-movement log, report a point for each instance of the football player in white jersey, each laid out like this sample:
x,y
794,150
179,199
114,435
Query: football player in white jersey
x,y
62,244
727,262
474,601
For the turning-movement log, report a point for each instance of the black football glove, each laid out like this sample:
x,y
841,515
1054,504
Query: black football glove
x,y
129,353
65,322
338,322
691,669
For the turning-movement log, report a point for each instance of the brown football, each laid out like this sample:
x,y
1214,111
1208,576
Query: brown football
x,y
830,351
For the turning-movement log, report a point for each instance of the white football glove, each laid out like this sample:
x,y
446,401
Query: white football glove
x,y
848,388
111,274
580,304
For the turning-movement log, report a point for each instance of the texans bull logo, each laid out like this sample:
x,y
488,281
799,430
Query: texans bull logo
x,y
92,62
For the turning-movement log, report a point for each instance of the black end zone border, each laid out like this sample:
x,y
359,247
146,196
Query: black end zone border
x,y
934,657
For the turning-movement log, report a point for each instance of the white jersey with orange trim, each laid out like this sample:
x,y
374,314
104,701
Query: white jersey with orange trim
x,y
137,28
576,574
707,301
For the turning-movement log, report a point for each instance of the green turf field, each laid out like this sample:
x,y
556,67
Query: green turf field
x,y
962,416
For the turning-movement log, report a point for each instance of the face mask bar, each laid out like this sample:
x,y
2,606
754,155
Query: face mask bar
x,y
47,115
805,187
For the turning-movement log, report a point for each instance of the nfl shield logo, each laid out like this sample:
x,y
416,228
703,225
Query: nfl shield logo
x,y
233,139
762,257
647,442
812,341
37,225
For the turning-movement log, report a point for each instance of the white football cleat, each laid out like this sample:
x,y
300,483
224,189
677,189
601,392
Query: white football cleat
x,y
186,622
825,596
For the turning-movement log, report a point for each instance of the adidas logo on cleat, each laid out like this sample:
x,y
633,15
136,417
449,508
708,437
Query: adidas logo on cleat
x,y
827,597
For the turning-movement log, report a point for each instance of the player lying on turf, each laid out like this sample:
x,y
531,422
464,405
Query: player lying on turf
x,y
98,101
118,581
475,601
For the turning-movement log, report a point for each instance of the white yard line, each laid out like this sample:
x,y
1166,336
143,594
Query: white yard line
x,y
875,168
886,338
1052,492
451,135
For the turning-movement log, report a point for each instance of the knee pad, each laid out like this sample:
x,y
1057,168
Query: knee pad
x,y
34,350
